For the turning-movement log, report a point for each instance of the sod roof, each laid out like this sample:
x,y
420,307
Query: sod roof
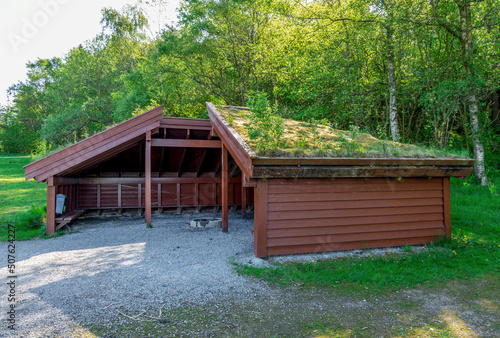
x,y
305,139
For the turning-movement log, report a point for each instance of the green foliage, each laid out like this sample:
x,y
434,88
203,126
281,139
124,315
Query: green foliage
x,y
474,251
265,126
31,219
313,60
16,196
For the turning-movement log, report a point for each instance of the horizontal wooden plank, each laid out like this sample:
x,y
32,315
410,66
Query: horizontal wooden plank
x,y
359,171
267,161
353,196
353,220
177,143
288,250
155,205
352,229
174,121
353,180
359,187
155,180
290,215
362,204
364,236
184,127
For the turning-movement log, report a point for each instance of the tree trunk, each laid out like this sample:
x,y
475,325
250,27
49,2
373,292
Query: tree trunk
x,y
479,167
466,41
393,109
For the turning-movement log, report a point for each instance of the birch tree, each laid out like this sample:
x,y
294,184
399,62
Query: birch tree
x,y
463,32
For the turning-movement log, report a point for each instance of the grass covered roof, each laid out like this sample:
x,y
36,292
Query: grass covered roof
x,y
272,136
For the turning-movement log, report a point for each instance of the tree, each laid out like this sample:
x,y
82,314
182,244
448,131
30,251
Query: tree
x,y
463,31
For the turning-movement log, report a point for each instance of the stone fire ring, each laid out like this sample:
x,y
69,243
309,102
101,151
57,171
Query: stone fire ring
x,y
206,223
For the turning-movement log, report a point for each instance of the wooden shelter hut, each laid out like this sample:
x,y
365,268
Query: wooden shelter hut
x,y
301,204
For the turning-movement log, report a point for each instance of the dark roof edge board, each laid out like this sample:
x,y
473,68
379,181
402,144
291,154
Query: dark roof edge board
x,y
148,120
238,148
360,171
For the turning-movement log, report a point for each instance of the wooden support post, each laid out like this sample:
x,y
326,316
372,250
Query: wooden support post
x,y
260,222
225,189
179,209
99,199
147,196
243,200
139,198
51,208
119,199
447,207
215,197
160,209
197,197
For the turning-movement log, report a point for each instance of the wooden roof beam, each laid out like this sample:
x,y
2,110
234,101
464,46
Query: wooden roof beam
x,y
178,143
236,146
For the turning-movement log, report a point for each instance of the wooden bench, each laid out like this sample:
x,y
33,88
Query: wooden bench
x,y
68,217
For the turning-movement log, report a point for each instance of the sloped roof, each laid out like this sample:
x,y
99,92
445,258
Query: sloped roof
x,y
255,166
95,149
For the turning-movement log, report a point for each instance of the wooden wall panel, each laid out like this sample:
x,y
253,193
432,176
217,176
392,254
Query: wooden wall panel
x,y
188,194
87,197
169,194
109,195
130,195
206,194
314,215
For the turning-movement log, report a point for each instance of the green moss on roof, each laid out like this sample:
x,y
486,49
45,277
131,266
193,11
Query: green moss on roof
x,y
302,139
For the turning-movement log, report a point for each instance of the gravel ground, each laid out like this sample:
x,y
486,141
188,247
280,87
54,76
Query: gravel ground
x,y
71,279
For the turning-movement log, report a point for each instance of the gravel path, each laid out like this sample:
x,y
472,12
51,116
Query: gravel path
x,y
73,279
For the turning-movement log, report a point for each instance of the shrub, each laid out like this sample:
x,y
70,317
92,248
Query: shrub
x,y
31,219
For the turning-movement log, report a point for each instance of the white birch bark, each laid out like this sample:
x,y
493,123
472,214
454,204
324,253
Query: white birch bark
x,y
393,108
467,44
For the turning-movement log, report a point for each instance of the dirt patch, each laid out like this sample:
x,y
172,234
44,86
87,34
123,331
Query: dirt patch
x,y
448,311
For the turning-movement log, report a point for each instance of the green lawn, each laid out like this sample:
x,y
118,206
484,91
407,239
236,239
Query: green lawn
x,y
474,251
17,198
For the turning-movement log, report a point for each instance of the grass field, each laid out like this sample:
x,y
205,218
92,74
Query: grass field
x,y
17,198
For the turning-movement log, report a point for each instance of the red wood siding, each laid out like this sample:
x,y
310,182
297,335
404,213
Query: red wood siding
x,y
105,196
314,215
71,192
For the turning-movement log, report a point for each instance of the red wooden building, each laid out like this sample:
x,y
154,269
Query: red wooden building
x,y
301,204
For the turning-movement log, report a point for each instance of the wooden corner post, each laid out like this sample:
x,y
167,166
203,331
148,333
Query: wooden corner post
x,y
447,207
260,219
51,207
225,189
147,196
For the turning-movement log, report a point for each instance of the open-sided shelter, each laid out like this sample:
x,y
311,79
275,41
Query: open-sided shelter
x,y
147,163
301,204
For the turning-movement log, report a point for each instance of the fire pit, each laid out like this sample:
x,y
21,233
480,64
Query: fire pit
x,y
206,223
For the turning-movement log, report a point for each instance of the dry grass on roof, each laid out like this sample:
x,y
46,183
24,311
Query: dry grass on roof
x,y
303,139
